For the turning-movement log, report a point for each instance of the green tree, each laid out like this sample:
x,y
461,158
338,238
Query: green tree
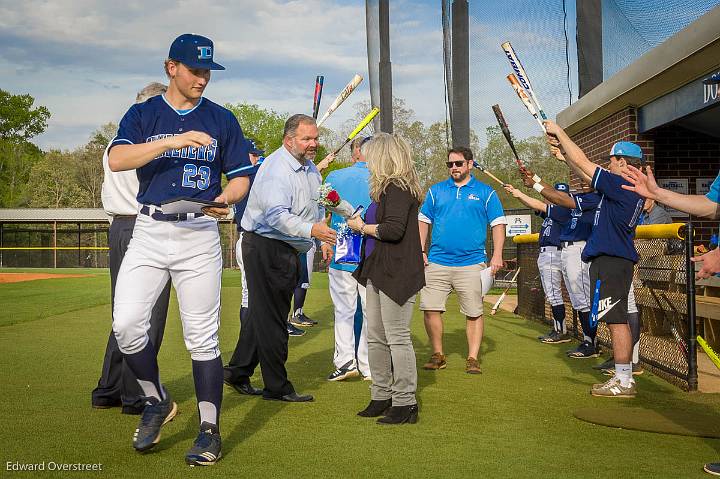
x,y
263,125
19,122
88,164
52,182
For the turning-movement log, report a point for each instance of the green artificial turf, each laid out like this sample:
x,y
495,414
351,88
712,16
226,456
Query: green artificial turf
x,y
515,420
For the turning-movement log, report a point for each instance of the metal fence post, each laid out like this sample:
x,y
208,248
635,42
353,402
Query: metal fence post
x,y
690,294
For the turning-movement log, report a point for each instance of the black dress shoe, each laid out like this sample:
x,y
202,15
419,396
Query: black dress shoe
x,y
105,403
401,415
292,397
245,388
376,408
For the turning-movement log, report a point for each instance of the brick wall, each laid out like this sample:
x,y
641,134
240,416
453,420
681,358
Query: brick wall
x,y
672,151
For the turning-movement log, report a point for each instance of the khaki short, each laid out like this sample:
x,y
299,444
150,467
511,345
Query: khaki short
x,y
441,280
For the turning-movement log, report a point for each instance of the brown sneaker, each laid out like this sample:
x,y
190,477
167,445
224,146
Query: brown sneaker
x,y
472,366
437,361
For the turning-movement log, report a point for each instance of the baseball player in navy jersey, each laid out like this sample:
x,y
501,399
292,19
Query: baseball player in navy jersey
x,y
610,250
549,263
576,212
180,144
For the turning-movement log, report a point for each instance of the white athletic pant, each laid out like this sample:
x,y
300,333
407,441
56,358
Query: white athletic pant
x,y
310,256
238,257
576,274
550,266
189,253
344,290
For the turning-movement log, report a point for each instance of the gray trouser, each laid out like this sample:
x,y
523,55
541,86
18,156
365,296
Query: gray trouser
x,y
390,350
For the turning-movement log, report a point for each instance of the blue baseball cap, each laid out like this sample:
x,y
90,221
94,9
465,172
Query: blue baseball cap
x,y
253,149
564,187
194,51
627,149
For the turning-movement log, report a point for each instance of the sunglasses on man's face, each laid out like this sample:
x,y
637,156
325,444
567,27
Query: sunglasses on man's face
x,y
457,164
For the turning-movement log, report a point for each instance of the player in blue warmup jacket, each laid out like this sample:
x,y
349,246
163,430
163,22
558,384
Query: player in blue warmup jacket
x,y
180,144
610,250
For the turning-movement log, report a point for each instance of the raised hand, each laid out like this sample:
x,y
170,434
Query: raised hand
x,y
643,184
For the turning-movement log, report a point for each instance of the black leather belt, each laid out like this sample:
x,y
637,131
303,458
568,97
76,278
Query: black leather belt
x,y
543,248
159,216
565,244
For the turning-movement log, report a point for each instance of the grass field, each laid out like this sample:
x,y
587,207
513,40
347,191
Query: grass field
x,y
514,420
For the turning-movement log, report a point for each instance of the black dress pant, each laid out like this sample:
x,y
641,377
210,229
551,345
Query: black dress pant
x,y
117,382
272,268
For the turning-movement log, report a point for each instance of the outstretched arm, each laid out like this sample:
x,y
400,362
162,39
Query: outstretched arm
x,y
528,201
548,192
645,185
573,154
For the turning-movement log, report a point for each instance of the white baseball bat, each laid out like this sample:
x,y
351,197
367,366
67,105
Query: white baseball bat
x,y
521,75
349,88
515,84
502,296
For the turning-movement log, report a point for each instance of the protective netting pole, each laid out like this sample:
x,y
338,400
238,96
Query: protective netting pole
x,y
690,294
460,73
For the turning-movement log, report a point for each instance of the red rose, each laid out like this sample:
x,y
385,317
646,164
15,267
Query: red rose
x,y
333,197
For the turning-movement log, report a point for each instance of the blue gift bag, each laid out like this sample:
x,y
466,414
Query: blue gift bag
x,y
347,246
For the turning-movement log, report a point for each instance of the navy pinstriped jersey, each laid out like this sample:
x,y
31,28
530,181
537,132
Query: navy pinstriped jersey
x,y
189,172
549,231
615,220
579,220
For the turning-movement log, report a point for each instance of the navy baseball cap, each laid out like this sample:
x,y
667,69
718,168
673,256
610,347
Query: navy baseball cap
x,y
253,149
713,80
194,51
628,149
564,187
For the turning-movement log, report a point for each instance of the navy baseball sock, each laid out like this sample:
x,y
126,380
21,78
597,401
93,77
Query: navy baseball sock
x,y
208,376
558,313
299,300
589,333
635,326
145,367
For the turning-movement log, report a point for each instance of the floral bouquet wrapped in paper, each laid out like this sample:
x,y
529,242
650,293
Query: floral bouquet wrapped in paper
x,y
330,199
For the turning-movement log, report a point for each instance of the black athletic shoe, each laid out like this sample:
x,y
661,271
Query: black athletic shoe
x,y
206,448
347,370
610,363
546,335
154,416
585,350
556,338
712,468
293,331
301,321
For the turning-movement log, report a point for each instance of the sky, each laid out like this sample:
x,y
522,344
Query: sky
x,y
85,60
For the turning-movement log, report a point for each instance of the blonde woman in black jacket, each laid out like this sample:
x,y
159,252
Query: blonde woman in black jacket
x,y
392,270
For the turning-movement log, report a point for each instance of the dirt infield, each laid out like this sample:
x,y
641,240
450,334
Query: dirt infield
x,y
20,277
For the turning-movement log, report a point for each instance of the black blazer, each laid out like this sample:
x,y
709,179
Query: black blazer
x,y
396,264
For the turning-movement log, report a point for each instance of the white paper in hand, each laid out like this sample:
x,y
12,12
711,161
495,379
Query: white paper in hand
x,y
487,279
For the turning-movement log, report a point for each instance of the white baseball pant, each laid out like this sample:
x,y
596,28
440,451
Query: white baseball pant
x,y
550,266
344,290
188,252
243,281
576,274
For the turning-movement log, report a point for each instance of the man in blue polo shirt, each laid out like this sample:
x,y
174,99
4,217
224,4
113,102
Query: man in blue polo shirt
x,y
610,250
459,210
352,185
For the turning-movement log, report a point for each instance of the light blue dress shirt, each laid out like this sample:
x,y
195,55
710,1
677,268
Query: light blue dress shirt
x,y
283,202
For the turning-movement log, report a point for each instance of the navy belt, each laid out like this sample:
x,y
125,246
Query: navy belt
x,y
160,216
565,244
547,248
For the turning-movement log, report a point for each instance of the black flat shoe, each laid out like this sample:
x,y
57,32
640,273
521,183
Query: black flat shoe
x,y
401,415
245,388
376,408
292,397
